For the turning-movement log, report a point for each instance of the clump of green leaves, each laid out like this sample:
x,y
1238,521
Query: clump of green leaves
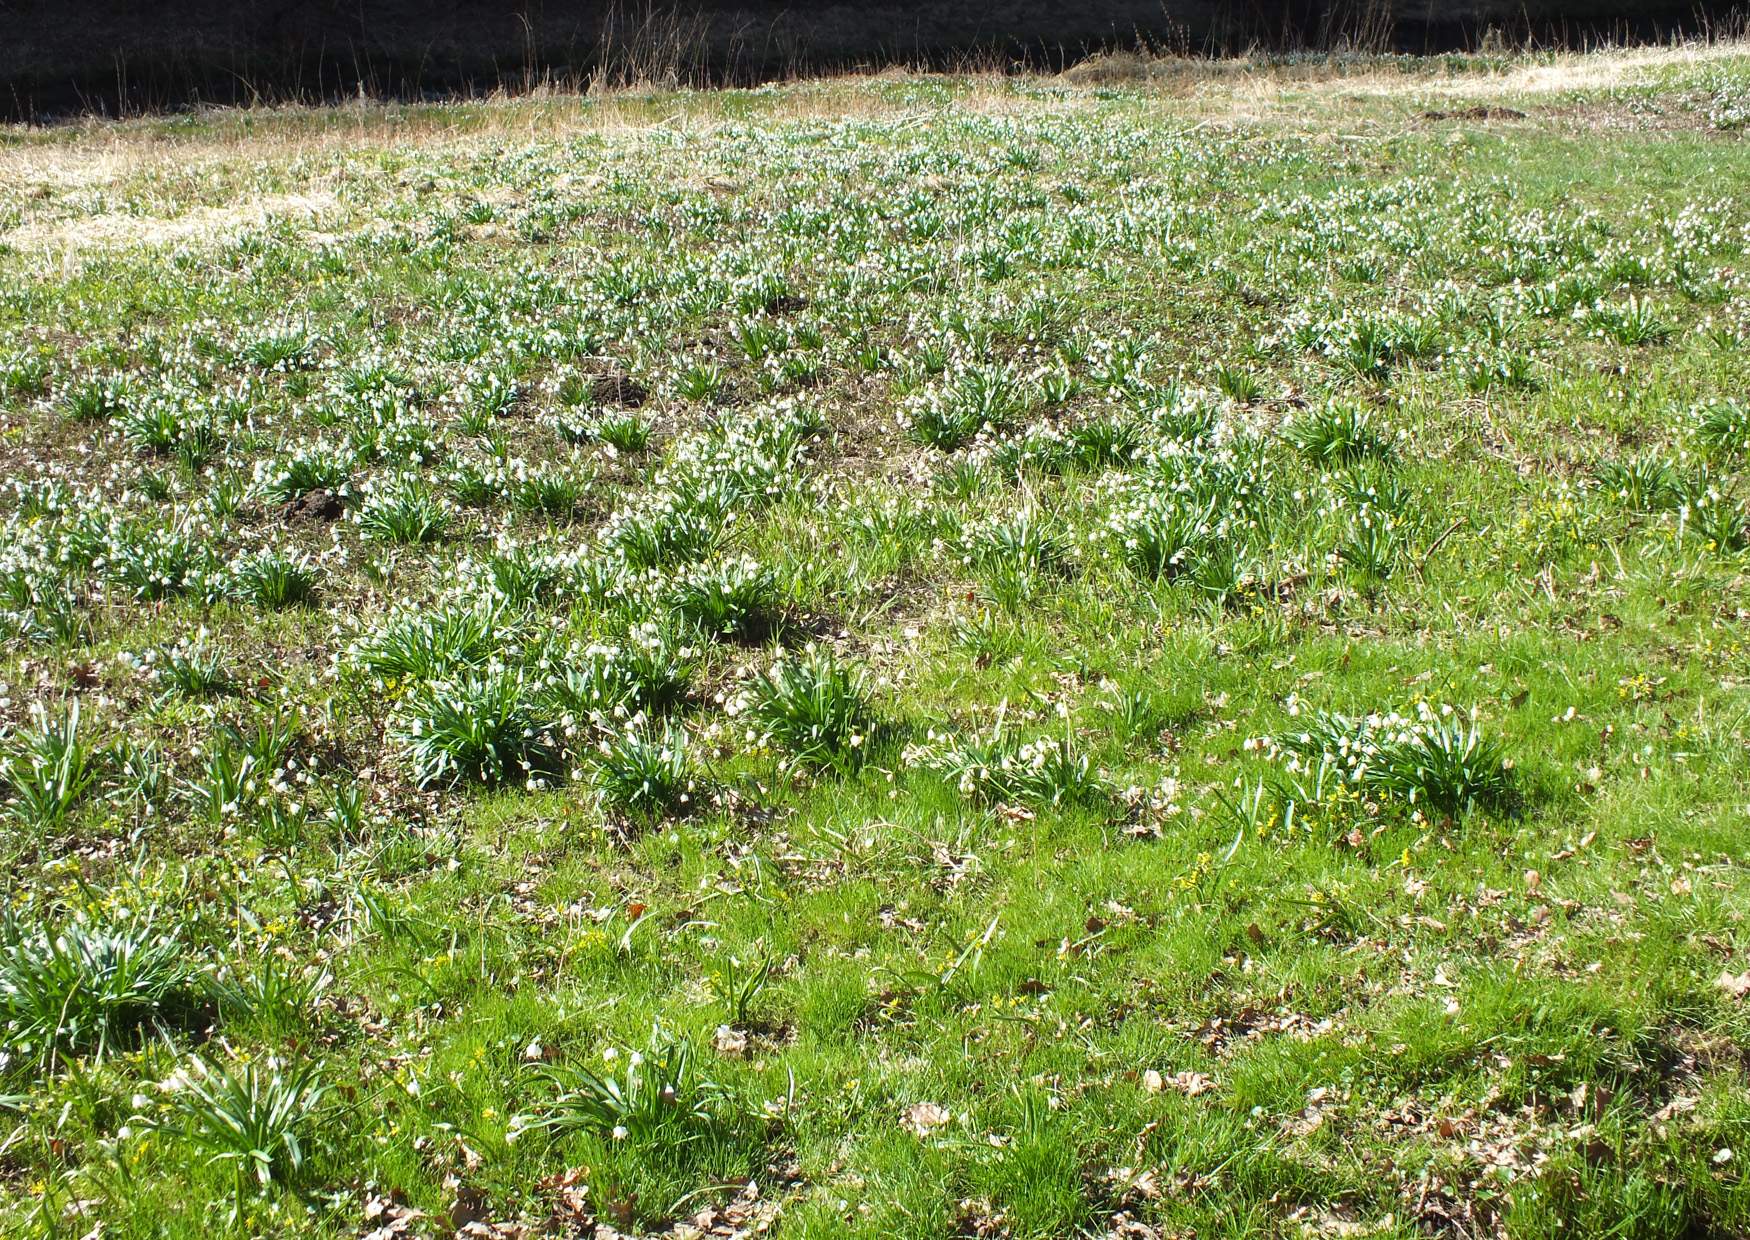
x,y
427,645
645,773
977,398
647,672
192,669
731,598
94,399
1161,537
658,1097
663,536
1724,428
281,349
1339,433
1001,767
1028,542
47,769
274,579
477,728
258,1117
738,984
1642,484
275,995
1634,322
626,432
549,492
406,511
1439,759
306,469
89,983
814,706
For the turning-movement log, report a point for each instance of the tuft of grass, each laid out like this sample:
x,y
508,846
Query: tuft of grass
x,y
48,769
261,1119
1371,548
644,773
476,728
1027,542
663,537
90,985
813,706
1439,759
1339,433
275,580
407,511
730,598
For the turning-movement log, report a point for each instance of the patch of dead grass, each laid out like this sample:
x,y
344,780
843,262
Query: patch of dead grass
x,y
1246,91
116,230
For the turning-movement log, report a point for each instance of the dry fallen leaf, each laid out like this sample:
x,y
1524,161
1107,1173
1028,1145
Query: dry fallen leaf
x,y
1188,1083
394,1217
1735,984
568,1193
1680,1105
923,1118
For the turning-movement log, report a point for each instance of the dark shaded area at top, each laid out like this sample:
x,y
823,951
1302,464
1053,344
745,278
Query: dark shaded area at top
x,y
62,57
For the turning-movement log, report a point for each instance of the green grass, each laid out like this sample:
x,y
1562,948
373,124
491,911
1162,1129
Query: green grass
x,y
992,657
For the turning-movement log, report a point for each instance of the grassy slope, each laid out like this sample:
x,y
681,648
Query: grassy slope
x,y
1158,1006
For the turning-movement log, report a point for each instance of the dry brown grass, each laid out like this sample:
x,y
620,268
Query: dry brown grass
x,y
1530,74
49,172
1242,91
116,230
107,154
1566,73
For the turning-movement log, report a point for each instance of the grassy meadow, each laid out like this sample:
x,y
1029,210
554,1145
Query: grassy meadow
x,y
1157,653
